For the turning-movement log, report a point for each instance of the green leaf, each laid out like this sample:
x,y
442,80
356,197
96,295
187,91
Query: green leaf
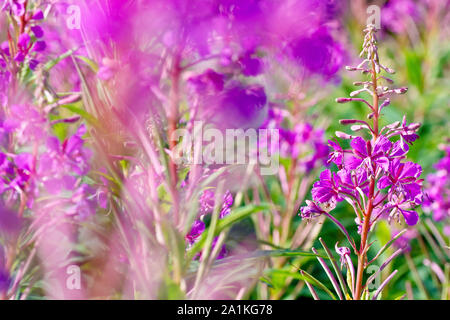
x,y
414,69
303,275
83,113
235,216
337,271
91,63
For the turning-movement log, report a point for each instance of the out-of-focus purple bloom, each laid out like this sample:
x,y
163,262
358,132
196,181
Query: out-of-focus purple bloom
x,y
5,280
23,41
226,206
223,249
10,223
207,200
196,231
23,168
37,31
209,82
398,15
251,65
69,156
241,106
16,7
38,15
26,122
39,46
83,203
437,192
404,241
304,143
318,53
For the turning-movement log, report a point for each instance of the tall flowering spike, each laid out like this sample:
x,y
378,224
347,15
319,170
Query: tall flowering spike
x,y
372,175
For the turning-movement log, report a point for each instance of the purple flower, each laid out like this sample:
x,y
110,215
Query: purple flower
x,y
403,242
242,107
408,132
17,7
411,217
6,172
83,203
250,65
26,122
223,249
327,188
10,223
344,253
367,154
398,14
337,156
318,53
403,177
39,46
209,82
350,180
207,200
69,156
311,210
23,41
38,15
37,30
399,150
196,231
303,143
437,199
226,206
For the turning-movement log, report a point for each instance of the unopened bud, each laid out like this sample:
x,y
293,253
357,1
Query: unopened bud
x,y
343,100
343,135
347,121
401,90
356,127
414,126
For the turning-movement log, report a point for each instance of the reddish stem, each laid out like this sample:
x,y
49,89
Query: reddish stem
x,y
370,205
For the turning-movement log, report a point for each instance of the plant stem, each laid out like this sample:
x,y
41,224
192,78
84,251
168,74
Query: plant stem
x,y
172,117
367,215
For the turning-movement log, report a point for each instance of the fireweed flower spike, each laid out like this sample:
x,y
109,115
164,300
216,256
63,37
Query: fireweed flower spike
x,y
372,175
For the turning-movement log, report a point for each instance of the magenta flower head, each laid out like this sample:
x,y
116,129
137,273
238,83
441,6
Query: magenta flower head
x,y
327,188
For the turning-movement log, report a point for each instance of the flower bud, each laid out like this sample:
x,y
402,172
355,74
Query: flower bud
x,y
343,135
